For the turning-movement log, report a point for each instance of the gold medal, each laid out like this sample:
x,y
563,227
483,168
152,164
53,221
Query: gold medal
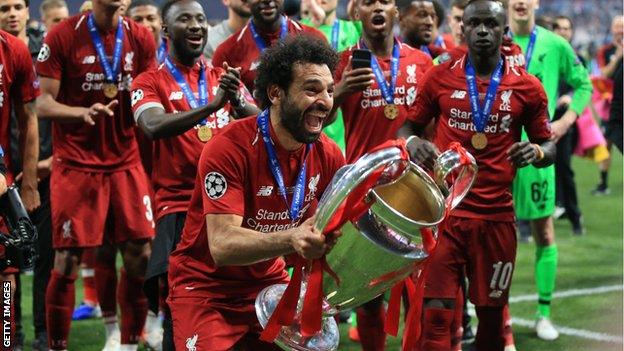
x,y
110,90
391,111
479,141
204,133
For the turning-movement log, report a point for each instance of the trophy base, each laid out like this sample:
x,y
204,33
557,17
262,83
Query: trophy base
x,y
290,337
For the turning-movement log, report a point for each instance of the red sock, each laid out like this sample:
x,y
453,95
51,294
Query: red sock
x,y
106,284
370,326
133,306
436,329
490,329
457,329
507,330
60,297
88,277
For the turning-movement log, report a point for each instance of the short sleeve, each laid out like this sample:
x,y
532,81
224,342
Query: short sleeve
x,y
426,107
535,116
221,170
51,58
26,85
145,94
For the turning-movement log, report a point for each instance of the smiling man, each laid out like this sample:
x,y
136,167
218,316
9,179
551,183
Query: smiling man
x,y
181,105
267,26
250,206
417,20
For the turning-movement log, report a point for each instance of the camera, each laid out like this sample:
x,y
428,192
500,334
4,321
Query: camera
x,y
19,242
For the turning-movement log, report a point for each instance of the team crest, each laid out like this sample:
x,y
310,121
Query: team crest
x,y
215,185
137,96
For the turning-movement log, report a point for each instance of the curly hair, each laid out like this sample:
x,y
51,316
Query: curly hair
x,y
276,63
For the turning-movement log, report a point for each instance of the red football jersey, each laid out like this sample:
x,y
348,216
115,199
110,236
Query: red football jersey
x,y
234,178
68,54
365,123
175,159
240,49
18,85
520,101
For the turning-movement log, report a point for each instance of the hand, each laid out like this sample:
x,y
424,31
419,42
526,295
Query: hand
x,y
564,100
560,127
332,238
423,152
30,196
522,154
97,111
308,242
355,80
230,83
44,168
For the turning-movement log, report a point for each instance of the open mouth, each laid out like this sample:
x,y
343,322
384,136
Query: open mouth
x,y
268,11
195,39
314,121
521,10
378,21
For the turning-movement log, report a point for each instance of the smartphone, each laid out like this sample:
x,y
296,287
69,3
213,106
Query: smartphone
x,y
361,58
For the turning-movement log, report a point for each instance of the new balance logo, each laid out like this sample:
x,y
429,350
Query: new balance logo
x,y
265,190
176,95
458,94
88,60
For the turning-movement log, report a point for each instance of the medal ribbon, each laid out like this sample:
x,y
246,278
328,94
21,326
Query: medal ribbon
x,y
110,72
426,50
387,90
186,89
530,47
335,34
258,39
298,196
480,115
162,51
439,42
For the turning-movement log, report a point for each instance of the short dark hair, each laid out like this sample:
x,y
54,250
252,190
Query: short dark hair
x,y
166,7
404,5
137,3
276,63
562,17
460,4
440,13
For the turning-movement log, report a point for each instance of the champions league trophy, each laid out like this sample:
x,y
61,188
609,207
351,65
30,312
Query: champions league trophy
x,y
381,247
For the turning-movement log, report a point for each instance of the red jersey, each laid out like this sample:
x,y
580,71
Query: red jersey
x,y
18,85
520,102
175,158
240,49
234,178
365,123
68,55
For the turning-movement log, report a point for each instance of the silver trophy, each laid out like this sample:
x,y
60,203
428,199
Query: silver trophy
x,y
383,246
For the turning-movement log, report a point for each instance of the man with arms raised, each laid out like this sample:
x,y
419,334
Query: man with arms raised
x,y
481,101
375,102
86,65
256,191
268,25
551,59
182,104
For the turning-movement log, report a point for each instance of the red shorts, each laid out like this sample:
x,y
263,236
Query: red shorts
x,y
88,206
209,325
487,251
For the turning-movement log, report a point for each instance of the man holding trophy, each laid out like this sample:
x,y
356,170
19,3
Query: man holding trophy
x,y
256,191
482,101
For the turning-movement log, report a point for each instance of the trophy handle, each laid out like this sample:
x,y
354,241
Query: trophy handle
x,y
450,162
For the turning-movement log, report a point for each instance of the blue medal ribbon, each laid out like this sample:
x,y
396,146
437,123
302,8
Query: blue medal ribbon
x,y
387,90
162,51
298,196
258,39
426,50
439,42
111,72
335,34
186,89
481,115
530,47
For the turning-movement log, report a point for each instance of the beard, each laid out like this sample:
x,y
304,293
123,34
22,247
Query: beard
x,y
292,118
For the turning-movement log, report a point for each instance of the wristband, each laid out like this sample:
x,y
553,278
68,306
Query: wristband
x,y
539,151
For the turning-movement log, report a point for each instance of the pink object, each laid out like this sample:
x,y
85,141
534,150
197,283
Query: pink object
x,y
589,134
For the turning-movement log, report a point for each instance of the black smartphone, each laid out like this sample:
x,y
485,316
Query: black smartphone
x,y
361,58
